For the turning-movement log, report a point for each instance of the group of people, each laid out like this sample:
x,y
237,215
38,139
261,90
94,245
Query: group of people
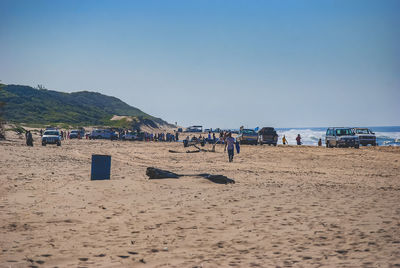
x,y
205,139
298,140
224,137
230,143
167,137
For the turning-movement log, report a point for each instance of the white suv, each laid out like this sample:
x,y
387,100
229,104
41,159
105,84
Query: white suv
x,y
51,137
341,137
103,134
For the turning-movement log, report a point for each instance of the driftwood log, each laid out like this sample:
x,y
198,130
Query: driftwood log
x,y
155,173
190,152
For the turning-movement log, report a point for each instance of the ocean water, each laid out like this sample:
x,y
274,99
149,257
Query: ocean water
x,y
385,136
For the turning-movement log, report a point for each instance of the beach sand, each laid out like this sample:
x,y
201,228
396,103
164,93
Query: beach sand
x,y
290,207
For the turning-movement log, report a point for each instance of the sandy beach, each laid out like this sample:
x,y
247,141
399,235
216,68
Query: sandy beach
x,y
293,206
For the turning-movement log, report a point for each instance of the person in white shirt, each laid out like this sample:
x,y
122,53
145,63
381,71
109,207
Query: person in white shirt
x,y
230,143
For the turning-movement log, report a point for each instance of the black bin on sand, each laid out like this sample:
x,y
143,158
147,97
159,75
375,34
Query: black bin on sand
x,y
101,167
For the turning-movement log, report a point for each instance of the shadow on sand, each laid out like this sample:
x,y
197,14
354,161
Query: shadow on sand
x,y
155,173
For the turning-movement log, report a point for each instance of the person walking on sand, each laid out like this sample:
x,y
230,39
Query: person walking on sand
x,y
284,141
298,139
320,142
230,143
29,139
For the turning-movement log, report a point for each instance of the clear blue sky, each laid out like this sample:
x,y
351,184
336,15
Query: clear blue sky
x,y
216,63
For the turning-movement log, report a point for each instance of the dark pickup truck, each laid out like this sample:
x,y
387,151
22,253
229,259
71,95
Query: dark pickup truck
x,y
267,135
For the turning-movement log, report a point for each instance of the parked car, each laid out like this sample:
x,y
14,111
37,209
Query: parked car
x,y
51,137
140,136
247,136
365,135
75,134
130,136
341,137
103,134
268,135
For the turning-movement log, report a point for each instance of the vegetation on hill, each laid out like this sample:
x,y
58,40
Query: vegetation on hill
x,y
25,104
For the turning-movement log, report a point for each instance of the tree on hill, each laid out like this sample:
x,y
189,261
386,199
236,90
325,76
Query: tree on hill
x,y
41,87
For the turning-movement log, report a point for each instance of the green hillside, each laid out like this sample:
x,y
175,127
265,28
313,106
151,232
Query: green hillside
x,y
29,105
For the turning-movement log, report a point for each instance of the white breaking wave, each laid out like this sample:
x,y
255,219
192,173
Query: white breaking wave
x,y
388,138
388,135
308,136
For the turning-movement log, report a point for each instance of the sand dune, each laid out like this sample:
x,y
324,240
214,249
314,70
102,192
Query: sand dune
x,y
290,207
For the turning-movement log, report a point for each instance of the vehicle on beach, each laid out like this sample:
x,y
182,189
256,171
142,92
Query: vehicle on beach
x,y
267,135
341,137
130,136
194,129
77,133
51,137
247,136
73,134
365,135
103,134
140,136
